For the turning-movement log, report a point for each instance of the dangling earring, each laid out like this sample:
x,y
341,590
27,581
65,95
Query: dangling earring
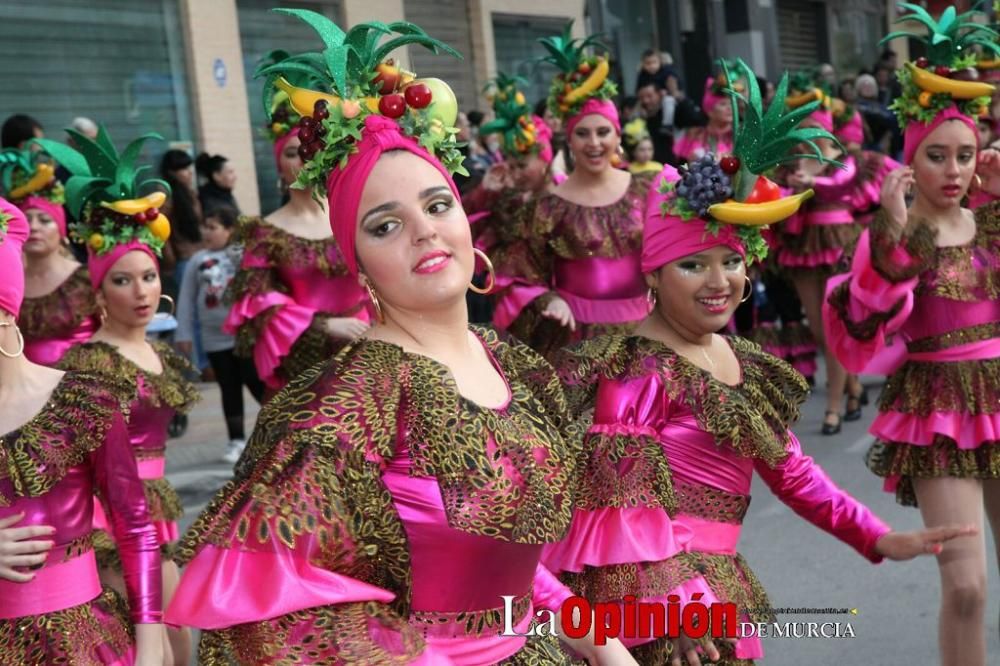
x,y
373,297
20,340
748,289
976,184
102,312
651,298
168,299
489,267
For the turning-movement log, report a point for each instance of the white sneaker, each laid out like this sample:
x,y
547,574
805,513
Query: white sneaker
x,y
234,449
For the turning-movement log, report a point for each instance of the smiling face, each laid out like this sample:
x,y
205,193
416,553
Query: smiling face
x,y
45,237
413,240
131,291
699,293
593,143
944,164
529,173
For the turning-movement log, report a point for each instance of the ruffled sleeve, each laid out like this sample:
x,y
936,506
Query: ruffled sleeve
x,y
802,485
117,480
265,319
523,265
308,519
875,298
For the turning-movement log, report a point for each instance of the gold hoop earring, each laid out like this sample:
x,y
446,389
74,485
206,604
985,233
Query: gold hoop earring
x,y
749,289
173,306
20,340
373,297
651,297
976,184
102,312
489,267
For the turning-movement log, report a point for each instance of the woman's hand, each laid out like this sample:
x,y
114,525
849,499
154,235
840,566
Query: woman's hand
x,y
800,180
20,547
612,653
988,170
685,651
901,546
894,190
559,310
345,328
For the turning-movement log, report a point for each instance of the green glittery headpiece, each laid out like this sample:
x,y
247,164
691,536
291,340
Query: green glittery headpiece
x,y
25,173
581,77
513,120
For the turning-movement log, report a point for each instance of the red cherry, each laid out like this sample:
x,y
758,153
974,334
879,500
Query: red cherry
x,y
321,110
942,70
763,191
307,151
921,62
152,213
392,106
417,95
307,134
307,121
139,217
730,164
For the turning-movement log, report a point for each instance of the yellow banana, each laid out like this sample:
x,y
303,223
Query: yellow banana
x,y
931,82
590,84
988,64
43,175
140,205
758,214
795,101
304,100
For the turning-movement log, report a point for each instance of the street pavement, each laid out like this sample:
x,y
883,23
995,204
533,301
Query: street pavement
x,y
800,566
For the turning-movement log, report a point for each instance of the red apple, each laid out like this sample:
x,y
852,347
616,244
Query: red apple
x,y
763,191
942,70
388,77
392,106
417,95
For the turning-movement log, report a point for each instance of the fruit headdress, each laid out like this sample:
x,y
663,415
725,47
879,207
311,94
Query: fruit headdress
x,y
281,117
947,75
351,80
103,193
581,77
514,120
733,190
29,173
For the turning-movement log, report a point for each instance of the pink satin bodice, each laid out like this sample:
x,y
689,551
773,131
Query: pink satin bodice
x,y
600,277
312,289
68,507
49,351
147,428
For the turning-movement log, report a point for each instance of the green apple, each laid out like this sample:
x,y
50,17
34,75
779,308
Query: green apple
x,y
444,105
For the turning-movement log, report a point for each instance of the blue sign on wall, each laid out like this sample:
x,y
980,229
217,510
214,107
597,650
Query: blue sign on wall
x,y
219,72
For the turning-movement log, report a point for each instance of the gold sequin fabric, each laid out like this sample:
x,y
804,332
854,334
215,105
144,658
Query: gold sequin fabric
x,y
752,417
310,479
74,423
59,313
277,247
91,634
170,388
695,499
469,623
942,458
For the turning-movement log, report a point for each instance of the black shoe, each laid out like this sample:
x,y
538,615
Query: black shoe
x,y
177,426
853,411
864,396
831,428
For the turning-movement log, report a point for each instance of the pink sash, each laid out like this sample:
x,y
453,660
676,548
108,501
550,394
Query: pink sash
x,y
152,468
55,587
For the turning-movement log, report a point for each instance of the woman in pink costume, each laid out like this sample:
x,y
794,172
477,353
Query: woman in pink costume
x,y
59,309
682,418
717,136
294,302
928,273
813,241
125,234
65,439
380,486
579,275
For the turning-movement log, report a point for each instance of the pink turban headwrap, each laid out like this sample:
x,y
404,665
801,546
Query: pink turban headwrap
x,y
823,118
100,264
279,145
852,131
11,266
669,238
543,138
600,107
344,186
710,99
917,131
53,210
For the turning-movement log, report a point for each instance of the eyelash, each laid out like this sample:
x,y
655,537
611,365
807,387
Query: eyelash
x,y
690,267
381,230
964,158
121,282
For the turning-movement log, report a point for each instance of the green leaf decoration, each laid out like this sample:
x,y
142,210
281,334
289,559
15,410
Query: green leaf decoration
x,y
947,38
73,161
19,166
514,121
569,55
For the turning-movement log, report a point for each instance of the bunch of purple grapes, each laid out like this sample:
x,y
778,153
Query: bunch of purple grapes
x,y
703,183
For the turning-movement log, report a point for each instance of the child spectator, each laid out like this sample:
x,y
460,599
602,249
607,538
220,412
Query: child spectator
x,y
206,278
642,157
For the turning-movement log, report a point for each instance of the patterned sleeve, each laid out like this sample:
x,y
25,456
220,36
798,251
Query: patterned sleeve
x,y
309,520
523,263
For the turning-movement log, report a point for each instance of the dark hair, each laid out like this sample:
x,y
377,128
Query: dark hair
x,y
761,83
648,53
183,215
540,107
17,129
227,216
630,101
207,165
475,117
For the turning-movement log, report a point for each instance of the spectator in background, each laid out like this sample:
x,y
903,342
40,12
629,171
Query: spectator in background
x,y
828,74
183,208
657,110
766,90
884,77
201,313
630,109
641,157
654,69
85,126
219,178
879,120
18,130
847,92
